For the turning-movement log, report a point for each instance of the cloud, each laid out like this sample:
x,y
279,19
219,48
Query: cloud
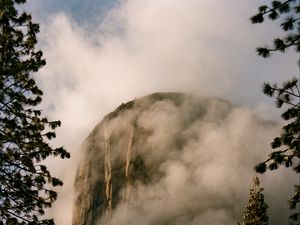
x,y
197,157
140,47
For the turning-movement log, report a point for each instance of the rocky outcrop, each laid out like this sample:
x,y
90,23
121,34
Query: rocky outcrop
x,y
136,148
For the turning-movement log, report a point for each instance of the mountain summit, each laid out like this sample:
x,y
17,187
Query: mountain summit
x,y
168,158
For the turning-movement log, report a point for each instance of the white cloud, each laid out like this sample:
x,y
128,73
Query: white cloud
x,y
201,47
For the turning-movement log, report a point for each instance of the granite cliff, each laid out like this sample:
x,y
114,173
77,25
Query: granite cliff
x,y
168,158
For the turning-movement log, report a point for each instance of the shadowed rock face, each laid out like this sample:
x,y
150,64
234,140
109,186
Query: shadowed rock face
x,y
144,159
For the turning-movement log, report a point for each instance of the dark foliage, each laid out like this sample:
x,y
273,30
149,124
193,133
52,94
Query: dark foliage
x,y
290,10
287,94
25,184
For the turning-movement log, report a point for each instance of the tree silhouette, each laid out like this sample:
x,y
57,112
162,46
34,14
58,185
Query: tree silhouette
x,y
287,94
25,184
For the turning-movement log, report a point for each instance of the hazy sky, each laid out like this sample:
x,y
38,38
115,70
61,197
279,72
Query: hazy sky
x,y
102,53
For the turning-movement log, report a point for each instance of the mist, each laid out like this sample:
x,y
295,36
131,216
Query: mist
x,y
187,160
138,47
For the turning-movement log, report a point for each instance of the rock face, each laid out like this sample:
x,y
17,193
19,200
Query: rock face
x,y
167,158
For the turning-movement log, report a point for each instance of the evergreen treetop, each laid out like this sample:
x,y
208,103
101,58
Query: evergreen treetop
x,y
256,209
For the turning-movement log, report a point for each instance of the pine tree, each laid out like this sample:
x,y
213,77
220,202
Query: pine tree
x,y
287,94
256,209
25,184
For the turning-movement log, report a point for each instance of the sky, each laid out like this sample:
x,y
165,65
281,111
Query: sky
x,y
103,53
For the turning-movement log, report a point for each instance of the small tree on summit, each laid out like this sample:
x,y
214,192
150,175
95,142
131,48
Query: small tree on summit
x,y
25,184
256,209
